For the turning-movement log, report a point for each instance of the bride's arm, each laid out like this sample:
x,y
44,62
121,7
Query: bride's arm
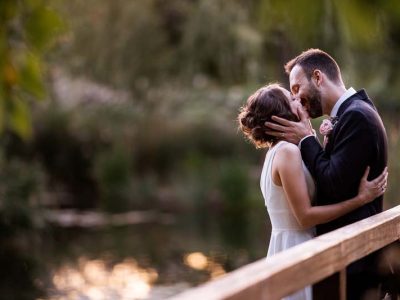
x,y
289,171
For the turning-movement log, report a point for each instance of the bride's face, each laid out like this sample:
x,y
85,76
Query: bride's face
x,y
295,103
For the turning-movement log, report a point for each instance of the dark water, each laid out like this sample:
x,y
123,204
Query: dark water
x,y
147,261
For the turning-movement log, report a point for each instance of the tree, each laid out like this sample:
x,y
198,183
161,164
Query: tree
x,y
27,30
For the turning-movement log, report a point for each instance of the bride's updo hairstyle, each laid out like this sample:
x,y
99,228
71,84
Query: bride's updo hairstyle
x,y
266,102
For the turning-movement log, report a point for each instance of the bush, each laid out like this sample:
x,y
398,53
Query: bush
x,y
113,170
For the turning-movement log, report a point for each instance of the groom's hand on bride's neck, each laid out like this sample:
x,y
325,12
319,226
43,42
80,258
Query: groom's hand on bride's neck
x,y
290,131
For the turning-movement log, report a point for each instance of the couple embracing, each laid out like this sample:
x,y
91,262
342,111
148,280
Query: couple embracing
x,y
310,189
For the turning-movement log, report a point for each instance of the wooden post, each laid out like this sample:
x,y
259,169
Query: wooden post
x,y
342,284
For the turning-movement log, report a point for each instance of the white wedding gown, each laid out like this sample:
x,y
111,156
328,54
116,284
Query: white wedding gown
x,y
286,232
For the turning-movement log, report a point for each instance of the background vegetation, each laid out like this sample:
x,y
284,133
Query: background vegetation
x,y
131,105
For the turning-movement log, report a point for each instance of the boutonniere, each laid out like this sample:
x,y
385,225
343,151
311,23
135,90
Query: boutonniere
x,y
326,128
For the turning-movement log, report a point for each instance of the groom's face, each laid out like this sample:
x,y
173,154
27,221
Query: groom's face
x,y
306,91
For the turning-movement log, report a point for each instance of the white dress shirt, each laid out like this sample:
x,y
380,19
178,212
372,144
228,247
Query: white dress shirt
x,y
347,94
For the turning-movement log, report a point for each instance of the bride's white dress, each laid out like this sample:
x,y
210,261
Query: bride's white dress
x,y
286,232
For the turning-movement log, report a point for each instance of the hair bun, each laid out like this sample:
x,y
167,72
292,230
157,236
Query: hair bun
x,y
248,120
258,133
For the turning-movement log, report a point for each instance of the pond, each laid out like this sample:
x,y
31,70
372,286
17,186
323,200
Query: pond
x,y
145,261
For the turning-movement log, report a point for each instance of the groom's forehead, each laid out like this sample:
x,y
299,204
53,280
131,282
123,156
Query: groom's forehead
x,y
296,76
297,73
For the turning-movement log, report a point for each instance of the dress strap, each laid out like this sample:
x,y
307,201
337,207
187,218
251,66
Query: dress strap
x,y
272,155
266,183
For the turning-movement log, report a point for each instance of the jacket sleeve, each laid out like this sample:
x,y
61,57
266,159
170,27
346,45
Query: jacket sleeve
x,y
338,174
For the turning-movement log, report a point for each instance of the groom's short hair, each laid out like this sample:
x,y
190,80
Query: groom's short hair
x,y
315,59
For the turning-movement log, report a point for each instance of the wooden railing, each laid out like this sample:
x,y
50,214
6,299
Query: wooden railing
x,y
303,264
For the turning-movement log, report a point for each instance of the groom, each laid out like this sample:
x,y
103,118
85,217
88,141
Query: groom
x,y
357,139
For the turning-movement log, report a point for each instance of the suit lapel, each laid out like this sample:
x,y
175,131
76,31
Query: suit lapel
x,y
360,95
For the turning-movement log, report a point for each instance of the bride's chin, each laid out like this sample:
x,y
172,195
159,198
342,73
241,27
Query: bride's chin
x,y
294,108
305,111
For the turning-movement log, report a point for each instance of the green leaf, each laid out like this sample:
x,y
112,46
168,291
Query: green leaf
x,y
42,26
359,29
31,76
20,119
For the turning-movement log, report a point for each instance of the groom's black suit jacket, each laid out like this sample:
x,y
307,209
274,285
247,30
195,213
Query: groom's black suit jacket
x,y
357,140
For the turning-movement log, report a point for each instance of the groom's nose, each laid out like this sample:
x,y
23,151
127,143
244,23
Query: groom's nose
x,y
296,98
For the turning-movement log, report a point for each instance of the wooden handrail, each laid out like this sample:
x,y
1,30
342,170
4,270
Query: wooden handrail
x,y
304,264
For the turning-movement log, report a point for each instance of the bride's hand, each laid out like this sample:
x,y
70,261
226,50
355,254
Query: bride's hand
x,y
369,190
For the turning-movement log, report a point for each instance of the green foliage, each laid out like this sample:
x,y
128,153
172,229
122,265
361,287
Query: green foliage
x,y
27,30
391,121
42,24
234,42
19,186
226,47
186,67
130,162
326,24
127,37
114,179
181,60
66,157
234,185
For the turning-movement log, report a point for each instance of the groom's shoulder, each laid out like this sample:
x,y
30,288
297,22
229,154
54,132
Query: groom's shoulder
x,y
360,109
361,115
361,103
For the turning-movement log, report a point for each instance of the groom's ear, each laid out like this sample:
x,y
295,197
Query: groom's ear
x,y
317,77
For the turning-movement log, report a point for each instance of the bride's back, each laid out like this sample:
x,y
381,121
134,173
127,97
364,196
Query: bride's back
x,y
286,231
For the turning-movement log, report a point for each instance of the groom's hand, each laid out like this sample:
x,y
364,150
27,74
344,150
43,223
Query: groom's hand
x,y
290,131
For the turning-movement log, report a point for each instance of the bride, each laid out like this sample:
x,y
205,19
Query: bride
x,y
286,184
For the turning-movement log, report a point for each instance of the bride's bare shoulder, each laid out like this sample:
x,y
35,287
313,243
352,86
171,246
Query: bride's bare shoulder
x,y
288,156
288,151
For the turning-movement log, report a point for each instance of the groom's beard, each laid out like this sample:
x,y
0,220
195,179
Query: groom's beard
x,y
314,103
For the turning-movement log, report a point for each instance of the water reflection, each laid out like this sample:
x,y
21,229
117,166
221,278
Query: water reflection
x,y
93,279
97,279
149,261
196,260
199,261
